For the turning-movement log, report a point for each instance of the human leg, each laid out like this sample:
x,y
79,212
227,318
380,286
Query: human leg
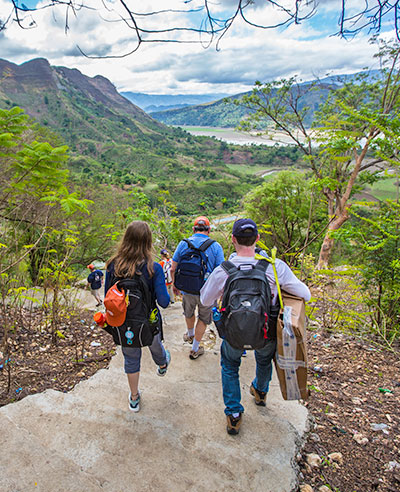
x,y
160,356
133,381
189,307
230,364
171,293
204,319
132,356
264,358
96,294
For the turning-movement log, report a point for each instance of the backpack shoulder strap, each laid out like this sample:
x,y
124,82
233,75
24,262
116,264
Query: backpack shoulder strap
x,y
189,243
207,243
229,267
262,265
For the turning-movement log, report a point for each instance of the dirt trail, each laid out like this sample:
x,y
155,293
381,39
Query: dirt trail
x,y
88,439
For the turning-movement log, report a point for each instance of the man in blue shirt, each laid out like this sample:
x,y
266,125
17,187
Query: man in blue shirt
x,y
95,280
215,256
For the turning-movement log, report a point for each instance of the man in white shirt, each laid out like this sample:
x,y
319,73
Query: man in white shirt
x,y
244,238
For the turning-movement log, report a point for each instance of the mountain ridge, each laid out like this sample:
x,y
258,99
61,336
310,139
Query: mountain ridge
x,y
114,142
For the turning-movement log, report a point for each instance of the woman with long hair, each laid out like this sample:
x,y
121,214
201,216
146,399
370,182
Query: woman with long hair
x,y
134,256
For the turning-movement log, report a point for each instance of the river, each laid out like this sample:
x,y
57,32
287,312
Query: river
x,y
230,135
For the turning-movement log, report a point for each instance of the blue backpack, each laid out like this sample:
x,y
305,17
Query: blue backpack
x,y
191,270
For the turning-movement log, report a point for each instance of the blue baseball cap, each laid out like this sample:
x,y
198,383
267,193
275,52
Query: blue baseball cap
x,y
244,228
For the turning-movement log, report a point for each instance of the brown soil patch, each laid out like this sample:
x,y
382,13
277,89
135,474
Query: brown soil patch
x,y
35,363
355,395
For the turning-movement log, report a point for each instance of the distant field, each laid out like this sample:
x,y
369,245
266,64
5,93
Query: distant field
x,y
246,169
386,188
230,135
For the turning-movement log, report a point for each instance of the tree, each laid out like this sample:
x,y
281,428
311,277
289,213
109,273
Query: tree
x,y
288,211
207,22
351,133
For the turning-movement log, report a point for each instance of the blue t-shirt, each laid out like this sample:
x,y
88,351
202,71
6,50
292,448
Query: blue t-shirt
x,y
156,283
214,253
94,279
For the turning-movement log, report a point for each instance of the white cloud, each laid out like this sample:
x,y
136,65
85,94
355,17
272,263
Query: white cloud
x,y
247,54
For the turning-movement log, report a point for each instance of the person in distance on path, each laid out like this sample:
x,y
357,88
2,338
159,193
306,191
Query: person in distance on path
x,y
95,281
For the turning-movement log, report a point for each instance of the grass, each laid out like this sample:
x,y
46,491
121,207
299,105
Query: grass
x,y
384,189
246,169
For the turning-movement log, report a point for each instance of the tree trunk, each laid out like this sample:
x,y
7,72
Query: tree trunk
x,y
328,242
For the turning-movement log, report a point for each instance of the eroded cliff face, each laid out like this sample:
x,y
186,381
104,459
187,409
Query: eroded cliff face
x,y
37,76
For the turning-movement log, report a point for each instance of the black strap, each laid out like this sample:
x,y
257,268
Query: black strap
x,y
229,267
207,243
262,265
146,289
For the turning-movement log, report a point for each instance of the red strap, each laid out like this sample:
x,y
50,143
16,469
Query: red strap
x,y
265,326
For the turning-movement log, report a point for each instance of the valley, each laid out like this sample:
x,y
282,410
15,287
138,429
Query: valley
x,y
233,136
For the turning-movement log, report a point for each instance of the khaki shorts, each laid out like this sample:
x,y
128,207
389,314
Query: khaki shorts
x,y
95,292
189,303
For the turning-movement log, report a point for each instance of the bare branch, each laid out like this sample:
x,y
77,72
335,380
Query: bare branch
x,y
370,17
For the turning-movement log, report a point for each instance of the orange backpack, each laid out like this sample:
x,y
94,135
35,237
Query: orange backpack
x,y
116,304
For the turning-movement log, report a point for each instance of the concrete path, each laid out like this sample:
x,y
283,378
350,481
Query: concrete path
x,y
87,440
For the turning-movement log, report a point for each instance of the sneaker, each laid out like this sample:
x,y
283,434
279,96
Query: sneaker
x,y
134,405
188,338
260,396
233,424
195,355
162,371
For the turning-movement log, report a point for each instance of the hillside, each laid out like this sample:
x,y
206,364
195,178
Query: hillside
x,y
225,114
112,141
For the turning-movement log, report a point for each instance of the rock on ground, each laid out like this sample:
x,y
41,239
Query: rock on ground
x,y
88,439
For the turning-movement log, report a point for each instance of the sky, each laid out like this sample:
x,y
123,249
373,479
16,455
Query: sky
x,y
243,55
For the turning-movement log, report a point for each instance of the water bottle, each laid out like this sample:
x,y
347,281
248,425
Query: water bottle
x,y
216,314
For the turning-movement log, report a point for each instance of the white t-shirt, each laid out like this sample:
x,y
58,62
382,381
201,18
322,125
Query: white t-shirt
x,y
214,287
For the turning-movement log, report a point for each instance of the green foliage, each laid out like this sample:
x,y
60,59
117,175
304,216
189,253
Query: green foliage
x,y
288,211
358,120
374,234
340,304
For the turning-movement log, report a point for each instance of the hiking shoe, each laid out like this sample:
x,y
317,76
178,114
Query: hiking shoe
x,y
259,396
195,355
188,338
134,405
233,424
162,371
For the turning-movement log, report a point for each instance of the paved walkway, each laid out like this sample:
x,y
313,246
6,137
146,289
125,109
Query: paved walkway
x,y
87,440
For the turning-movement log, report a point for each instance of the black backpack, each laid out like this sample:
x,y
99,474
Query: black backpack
x,y
191,270
138,330
246,305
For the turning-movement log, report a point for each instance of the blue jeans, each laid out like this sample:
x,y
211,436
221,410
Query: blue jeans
x,y
230,363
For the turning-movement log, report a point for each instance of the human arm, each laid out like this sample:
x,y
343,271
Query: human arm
x,y
175,260
173,270
290,283
160,289
107,283
214,287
